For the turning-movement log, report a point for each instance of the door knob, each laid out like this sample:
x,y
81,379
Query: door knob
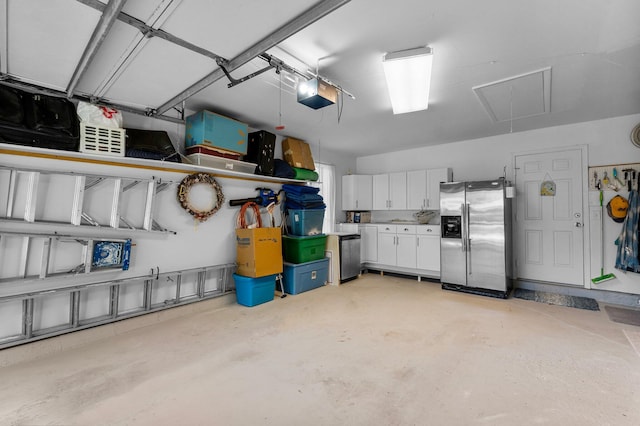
x,y
578,224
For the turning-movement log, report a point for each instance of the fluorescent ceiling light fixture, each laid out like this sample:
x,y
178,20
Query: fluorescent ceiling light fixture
x,y
408,74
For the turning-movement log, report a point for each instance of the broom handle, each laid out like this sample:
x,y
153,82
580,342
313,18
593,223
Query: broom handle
x,y
601,235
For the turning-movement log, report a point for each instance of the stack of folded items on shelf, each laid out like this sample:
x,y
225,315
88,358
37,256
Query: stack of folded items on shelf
x,y
300,197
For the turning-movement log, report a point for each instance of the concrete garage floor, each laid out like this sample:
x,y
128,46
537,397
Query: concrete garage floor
x,y
375,351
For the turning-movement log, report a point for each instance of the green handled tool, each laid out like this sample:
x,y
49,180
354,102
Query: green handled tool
x,y
603,277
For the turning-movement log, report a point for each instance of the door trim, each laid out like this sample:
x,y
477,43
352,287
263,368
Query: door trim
x,y
586,224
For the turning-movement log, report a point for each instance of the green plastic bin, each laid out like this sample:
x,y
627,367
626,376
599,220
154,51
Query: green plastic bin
x,y
298,249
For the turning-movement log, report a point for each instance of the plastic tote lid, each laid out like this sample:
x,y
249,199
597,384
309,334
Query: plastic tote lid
x,y
617,208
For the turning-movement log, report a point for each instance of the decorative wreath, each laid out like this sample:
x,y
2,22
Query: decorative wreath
x,y
183,195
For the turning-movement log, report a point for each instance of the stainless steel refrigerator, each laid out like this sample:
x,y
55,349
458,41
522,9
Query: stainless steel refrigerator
x,y
475,244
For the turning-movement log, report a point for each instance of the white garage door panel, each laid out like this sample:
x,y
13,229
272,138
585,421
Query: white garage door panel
x,y
57,36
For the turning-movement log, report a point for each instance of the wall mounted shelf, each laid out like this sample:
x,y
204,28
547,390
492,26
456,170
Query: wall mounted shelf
x,y
138,163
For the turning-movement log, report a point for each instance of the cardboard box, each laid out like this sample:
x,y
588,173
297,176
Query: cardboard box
x,y
297,153
358,217
210,129
259,251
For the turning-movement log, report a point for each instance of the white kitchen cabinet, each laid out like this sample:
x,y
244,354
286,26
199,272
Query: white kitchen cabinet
x,y
423,188
416,189
368,243
387,244
357,192
434,177
406,246
390,191
428,248
397,245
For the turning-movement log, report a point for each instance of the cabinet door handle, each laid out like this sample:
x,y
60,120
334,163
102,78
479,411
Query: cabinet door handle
x,y
429,230
356,204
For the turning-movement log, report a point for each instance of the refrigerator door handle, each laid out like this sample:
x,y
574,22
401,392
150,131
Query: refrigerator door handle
x,y
466,225
469,257
463,216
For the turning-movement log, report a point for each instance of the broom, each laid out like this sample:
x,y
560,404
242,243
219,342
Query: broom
x,y
603,277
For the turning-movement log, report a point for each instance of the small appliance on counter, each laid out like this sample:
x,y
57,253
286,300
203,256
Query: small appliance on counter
x,y
343,248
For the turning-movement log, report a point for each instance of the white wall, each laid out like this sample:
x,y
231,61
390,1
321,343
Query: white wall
x,y
608,142
194,244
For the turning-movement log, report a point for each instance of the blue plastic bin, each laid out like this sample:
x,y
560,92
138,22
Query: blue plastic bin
x,y
301,277
254,291
305,222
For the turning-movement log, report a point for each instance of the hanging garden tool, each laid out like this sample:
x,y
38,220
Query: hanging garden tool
x,y
264,198
603,277
615,177
629,176
607,182
597,181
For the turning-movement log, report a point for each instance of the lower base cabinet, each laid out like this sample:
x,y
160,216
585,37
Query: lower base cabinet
x,y
368,243
411,249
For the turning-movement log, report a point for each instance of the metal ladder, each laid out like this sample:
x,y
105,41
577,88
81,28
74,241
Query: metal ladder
x,y
82,184
86,262
150,287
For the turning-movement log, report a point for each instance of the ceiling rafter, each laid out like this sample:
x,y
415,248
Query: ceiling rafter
x,y
258,50
311,15
107,19
149,31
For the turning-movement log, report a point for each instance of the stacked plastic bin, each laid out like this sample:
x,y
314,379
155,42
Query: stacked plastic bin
x,y
305,265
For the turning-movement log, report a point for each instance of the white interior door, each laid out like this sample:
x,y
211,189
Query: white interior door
x,y
549,229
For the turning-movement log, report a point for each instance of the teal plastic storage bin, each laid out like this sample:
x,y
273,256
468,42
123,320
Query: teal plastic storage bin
x,y
305,222
254,291
303,249
210,129
301,277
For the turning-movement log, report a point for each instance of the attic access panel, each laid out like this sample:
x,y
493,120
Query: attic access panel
x,y
521,96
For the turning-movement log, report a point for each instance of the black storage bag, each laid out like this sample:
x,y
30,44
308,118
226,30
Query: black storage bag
x,y
261,150
283,169
11,109
38,120
150,144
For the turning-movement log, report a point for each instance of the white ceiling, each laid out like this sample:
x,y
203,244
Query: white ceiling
x,y
591,46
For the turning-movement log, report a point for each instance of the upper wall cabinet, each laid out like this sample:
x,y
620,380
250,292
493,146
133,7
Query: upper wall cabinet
x,y
434,178
357,192
390,191
416,189
423,188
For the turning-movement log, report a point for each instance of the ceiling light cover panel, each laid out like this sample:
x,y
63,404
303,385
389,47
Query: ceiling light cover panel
x,y
408,75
